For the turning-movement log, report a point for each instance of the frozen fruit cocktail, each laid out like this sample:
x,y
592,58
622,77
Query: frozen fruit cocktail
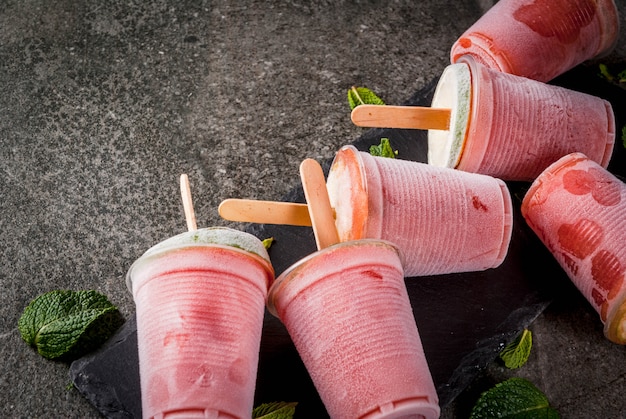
x,y
578,210
442,220
348,313
540,39
200,299
512,127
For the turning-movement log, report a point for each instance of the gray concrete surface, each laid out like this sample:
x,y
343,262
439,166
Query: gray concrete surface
x,y
103,104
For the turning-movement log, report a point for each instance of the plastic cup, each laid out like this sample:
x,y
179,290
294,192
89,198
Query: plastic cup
x,y
540,39
512,127
578,210
200,300
442,220
348,313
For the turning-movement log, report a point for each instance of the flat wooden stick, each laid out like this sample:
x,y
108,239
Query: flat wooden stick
x,y
265,212
185,191
318,203
411,117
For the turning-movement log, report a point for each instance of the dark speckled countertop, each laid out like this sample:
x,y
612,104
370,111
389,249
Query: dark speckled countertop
x,y
103,104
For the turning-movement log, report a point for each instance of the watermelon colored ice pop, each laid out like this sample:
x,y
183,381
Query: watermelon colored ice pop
x,y
578,210
442,220
200,299
512,127
348,313
540,39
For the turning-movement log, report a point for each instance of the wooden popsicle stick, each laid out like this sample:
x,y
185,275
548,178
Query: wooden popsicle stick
x,y
265,212
185,191
411,117
318,203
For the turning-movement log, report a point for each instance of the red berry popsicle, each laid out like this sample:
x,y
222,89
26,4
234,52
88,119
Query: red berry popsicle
x,y
348,313
578,210
540,39
200,299
503,125
442,220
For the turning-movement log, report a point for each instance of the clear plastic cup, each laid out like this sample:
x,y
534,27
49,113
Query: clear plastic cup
x,y
540,39
348,313
200,300
515,127
442,220
578,210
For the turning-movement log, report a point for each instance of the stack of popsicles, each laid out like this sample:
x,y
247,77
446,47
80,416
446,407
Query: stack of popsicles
x,y
200,296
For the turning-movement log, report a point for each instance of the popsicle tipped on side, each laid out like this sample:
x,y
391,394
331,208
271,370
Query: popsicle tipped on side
x,y
265,212
318,203
185,191
411,117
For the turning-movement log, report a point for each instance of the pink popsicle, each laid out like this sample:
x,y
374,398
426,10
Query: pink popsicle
x,y
200,299
578,210
540,39
348,313
513,127
442,220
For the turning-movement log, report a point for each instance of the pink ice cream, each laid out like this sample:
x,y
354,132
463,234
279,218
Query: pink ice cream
x,y
540,39
442,220
578,210
348,313
512,127
200,300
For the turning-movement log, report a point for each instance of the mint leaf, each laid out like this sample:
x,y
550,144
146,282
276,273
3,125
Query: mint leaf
x,y
517,352
515,398
67,324
608,74
275,410
383,149
362,96
267,243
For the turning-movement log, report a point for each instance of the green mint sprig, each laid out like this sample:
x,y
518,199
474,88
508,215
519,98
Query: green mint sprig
x,y
515,398
618,79
267,243
384,149
67,324
362,96
517,352
275,410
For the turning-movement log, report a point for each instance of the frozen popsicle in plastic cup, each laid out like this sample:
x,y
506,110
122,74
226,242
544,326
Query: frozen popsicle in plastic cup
x,y
348,313
578,210
442,220
200,300
540,39
512,127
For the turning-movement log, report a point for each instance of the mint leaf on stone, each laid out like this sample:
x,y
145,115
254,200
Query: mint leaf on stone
x,y
362,96
64,324
517,352
384,149
515,398
275,410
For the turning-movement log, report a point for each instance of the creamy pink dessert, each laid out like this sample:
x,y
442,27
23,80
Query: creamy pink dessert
x,y
200,299
511,127
578,210
442,220
348,313
540,39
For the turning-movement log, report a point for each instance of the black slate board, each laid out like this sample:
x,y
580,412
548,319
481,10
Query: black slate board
x,y
464,319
